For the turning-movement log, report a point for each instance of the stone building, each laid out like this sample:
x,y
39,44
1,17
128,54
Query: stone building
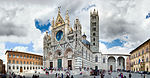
x,y
23,62
66,47
128,63
2,67
140,57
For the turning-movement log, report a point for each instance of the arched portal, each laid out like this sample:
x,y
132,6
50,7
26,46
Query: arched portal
x,y
111,63
69,55
120,63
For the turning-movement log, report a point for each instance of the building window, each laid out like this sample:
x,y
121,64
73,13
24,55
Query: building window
x,y
103,60
9,55
13,61
30,68
17,62
93,43
93,39
94,29
142,52
13,67
20,56
39,67
24,62
139,61
147,49
27,62
27,56
24,68
27,68
30,57
96,58
33,63
94,24
20,62
9,67
17,67
147,59
13,55
17,56
24,56
33,58
93,34
36,58
36,63
9,61
139,53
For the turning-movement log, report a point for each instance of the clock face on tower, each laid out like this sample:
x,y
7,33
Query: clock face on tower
x,y
59,35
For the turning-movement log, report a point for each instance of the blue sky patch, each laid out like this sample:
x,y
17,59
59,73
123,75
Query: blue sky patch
x,y
42,26
89,6
11,45
116,42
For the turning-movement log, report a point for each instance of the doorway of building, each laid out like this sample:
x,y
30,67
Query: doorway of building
x,y
21,69
59,63
70,64
51,65
111,67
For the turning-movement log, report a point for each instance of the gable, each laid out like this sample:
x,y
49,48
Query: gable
x,y
59,21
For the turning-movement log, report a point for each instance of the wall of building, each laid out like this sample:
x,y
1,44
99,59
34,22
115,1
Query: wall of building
x,y
23,62
140,57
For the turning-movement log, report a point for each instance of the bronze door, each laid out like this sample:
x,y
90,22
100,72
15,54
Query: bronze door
x,y
70,64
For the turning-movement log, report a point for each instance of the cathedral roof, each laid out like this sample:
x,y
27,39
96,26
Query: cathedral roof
x,y
86,42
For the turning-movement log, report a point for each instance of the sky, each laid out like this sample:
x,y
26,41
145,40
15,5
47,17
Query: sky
x,y
124,24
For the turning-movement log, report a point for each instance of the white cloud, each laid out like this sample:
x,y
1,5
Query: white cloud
x,y
21,48
118,18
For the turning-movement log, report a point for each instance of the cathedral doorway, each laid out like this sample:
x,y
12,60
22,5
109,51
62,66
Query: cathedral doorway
x,y
51,65
70,64
21,69
111,67
59,63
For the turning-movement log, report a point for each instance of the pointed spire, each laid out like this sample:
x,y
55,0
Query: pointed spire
x,y
67,18
59,9
53,22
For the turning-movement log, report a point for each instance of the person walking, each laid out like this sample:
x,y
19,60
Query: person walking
x,y
130,75
62,75
67,76
72,76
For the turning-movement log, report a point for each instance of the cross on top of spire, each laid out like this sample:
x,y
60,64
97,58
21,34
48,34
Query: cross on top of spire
x,y
59,9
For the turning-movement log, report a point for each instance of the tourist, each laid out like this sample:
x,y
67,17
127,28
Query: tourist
x,y
62,75
67,76
121,75
56,75
130,75
72,76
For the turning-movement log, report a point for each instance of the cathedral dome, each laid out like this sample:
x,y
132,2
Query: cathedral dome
x,y
86,42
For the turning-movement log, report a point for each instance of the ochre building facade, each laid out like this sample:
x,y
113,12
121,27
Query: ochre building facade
x,y
140,57
19,62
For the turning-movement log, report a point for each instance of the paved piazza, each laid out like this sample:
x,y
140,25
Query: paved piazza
x,y
113,75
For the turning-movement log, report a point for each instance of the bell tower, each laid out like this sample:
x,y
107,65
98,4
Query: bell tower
x,y
94,31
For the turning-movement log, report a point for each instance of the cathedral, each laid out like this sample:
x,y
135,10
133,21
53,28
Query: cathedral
x,y
66,47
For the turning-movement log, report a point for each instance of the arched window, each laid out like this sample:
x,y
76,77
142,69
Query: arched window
x,y
13,67
9,67
93,34
139,61
96,58
93,39
103,60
